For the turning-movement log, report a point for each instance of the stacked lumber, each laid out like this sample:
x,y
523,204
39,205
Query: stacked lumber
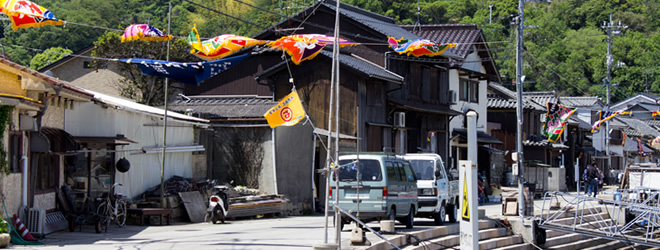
x,y
249,206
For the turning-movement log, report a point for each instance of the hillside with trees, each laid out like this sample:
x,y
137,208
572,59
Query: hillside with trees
x,y
565,46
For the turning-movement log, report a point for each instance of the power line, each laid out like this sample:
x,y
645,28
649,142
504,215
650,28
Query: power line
x,y
230,16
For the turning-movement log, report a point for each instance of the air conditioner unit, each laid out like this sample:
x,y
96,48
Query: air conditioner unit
x,y
35,221
451,96
399,119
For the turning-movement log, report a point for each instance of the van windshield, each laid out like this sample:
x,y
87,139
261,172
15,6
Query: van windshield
x,y
369,171
424,169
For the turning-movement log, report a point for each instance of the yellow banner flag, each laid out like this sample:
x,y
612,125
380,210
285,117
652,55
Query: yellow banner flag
x,y
288,112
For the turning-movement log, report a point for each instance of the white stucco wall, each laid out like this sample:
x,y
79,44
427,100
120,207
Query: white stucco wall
x,y
90,119
462,106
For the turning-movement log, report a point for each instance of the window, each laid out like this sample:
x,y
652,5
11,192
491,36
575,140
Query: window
x,y
469,90
443,86
400,173
15,142
392,175
45,168
426,84
369,171
474,91
410,176
464,88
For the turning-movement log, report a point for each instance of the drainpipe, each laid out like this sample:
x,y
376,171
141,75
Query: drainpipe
x,y
25,180
274,160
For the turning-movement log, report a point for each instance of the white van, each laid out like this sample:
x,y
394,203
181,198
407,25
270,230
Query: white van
x,y
384,188
437,191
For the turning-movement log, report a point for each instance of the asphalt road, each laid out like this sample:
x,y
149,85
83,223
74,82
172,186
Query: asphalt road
x,y
293,232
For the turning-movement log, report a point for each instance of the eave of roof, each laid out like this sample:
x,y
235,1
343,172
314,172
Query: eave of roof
x,y
352,62
216,107
70,89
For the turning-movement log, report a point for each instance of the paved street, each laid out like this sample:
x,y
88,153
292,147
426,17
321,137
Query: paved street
x,y
294,232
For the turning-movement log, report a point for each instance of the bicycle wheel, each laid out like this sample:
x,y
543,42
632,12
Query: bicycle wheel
x,y
104,212
102,209
120,217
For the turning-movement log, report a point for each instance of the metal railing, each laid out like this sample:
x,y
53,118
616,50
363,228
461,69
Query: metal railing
x,y
633,220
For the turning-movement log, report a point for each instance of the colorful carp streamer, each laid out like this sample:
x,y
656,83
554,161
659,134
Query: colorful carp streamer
x,y
418,47
305,47
219,46
555,120
143,32
26,14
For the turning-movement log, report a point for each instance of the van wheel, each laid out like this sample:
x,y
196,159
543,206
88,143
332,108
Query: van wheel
x,y
439,217
410,220
451,211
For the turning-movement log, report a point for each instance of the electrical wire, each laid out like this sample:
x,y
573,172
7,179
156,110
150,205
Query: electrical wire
x,y
230,16
554,72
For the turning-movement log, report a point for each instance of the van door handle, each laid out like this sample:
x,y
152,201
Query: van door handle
x,y
356,201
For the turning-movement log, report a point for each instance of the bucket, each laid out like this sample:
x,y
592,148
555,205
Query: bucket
x,y
617,196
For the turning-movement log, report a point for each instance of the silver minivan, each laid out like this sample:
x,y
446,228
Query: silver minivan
x,y
376,186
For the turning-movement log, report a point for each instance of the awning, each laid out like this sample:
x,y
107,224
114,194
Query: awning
x,y
172,149
57,140
426,108
378,124
118,140
324,132
481,136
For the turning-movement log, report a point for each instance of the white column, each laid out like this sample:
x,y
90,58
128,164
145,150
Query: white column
x,y
469,216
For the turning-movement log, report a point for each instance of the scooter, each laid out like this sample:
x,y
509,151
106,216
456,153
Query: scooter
x,y
218,205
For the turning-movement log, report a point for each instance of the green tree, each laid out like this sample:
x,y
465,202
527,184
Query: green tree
x,y
47,57
141,88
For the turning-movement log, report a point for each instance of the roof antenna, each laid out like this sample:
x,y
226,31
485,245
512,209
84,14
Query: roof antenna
x,y
418,25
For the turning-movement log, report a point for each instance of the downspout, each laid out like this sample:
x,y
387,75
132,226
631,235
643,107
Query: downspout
x,y
274,159
24,158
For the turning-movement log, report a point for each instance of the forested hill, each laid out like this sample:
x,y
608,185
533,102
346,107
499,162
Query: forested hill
x,y
566,52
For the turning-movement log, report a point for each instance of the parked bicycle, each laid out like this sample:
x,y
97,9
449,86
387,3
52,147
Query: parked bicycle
x,y
112,208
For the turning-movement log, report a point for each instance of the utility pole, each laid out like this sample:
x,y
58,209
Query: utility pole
x,y
519,110
490,15
612,29
162,166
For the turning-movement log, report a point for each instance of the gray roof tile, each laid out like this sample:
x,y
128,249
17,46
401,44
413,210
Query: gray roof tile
x,y
462,34
379,23
580,101
638,128
212,107
366,67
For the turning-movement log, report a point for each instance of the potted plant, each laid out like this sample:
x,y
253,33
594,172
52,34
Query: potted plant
x,y
4,233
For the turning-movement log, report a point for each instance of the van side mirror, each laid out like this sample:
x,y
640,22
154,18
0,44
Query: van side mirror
x,y
437,173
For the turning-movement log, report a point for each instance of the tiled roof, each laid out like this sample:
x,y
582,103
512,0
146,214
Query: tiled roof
x,y
462,34
581,124
638,128
224,106
502,90
580,101
501,103
652,122
542,143
370,69
381,24
649,95
541,98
